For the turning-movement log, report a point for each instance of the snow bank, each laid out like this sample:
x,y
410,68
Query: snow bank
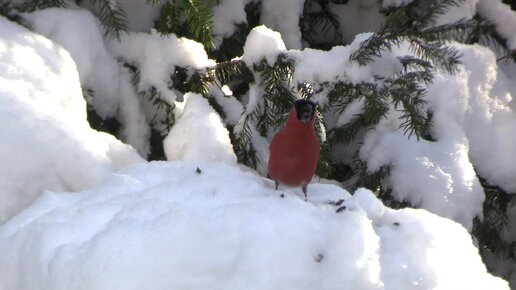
x,y
46,141
196,225
79,32
199,134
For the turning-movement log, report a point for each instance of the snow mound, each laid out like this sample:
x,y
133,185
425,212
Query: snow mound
x,y
46,143
199,134
195,225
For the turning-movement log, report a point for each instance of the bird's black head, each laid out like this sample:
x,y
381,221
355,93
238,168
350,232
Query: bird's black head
x,y
305,110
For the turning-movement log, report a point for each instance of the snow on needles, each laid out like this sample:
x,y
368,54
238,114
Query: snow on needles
x,y
196,225
199,134
471,124
157,57
46,143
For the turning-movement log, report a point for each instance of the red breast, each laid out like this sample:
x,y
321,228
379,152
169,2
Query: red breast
x,y
294,152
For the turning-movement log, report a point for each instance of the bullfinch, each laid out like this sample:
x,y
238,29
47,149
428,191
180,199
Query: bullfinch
x,y
294,150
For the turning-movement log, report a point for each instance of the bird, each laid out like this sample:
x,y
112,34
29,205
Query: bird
x,y
294,150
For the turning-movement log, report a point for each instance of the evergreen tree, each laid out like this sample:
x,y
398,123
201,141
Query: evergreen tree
x,y
415,24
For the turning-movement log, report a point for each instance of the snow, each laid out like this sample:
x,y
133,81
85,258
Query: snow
x,y
232,107
337,66
436,176
502,16
167,225
98,69
283,16
158,56
199,134
262,43
352,110
72,220
226,16
489,120
46,141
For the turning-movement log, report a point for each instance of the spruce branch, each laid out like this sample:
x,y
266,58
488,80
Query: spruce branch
x,y
488,230
8,11
112,17
426,16
279,94
317,19
189,18
445,57
461,31
244,147
348,132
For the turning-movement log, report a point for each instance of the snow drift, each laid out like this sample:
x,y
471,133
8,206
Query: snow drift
x,y
197,225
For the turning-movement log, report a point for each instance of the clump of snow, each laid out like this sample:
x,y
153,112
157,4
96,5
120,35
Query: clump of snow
x,y
199,134
502,16
226,16
46,142
157,56
232,107
262,43
197,225
489,122
436,176
337,66
283,16
98,69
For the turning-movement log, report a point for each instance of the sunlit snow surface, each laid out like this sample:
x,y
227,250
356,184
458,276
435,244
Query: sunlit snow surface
x,y
194,225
